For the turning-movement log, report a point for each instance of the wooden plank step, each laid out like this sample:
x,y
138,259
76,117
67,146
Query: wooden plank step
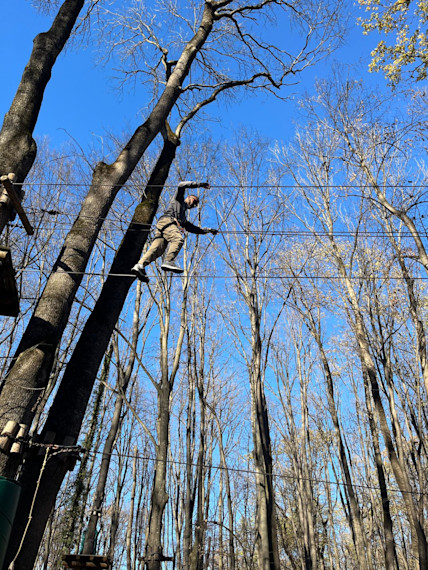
x,y
86,561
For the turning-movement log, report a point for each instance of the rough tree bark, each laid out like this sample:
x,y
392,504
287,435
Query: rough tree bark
x,y
17,146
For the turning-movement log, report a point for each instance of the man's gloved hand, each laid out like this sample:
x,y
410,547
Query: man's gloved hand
x,y
205,185
211,231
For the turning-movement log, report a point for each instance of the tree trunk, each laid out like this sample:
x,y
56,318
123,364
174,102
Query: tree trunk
x,y
267,546
190,489
153,550
96,509
226,476
390,553
129,551
197,553
77,503
17,146
116,508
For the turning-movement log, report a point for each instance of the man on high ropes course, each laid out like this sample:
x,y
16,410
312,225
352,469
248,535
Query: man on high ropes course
x,y
170,231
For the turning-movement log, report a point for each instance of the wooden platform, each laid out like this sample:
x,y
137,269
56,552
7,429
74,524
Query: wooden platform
x,y
86,561
9,300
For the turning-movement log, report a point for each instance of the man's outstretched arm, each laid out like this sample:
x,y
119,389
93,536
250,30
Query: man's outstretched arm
x,y
188,184
189,227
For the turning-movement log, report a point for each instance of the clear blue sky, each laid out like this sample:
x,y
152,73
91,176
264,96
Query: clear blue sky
x,y
81,102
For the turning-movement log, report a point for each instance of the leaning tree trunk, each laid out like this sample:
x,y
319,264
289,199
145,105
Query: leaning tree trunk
x,y
31,366
17,146
68,409
30,372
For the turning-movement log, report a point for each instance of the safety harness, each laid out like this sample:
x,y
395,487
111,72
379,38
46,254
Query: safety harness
x,y
174,222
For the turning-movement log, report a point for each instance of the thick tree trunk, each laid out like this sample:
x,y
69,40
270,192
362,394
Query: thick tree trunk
x,y
28,376
56,464
69,406
32,364
17,146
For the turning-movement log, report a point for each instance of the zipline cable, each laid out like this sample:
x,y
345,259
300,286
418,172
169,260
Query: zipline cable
x,y
57,449
284,233
220,186
263,276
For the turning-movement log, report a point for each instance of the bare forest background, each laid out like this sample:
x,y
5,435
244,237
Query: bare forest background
x,y
267,409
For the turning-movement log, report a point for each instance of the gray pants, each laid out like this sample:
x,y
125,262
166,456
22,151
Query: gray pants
x,y
170,237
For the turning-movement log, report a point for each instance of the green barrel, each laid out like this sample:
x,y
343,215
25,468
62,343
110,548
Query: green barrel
x,y
9,497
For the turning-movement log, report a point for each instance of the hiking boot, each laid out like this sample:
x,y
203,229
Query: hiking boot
x,y
170,266
140,271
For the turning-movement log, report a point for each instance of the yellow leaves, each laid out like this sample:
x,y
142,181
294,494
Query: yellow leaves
x,y
408,50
